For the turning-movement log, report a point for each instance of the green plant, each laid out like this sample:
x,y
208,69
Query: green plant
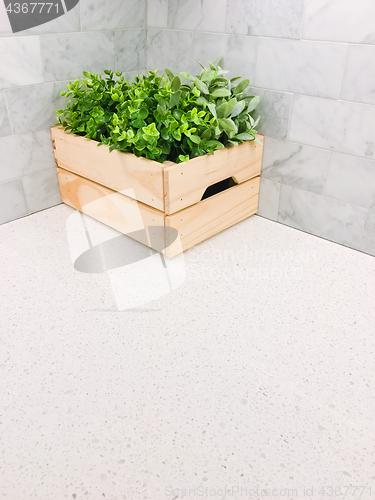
x,y
162,118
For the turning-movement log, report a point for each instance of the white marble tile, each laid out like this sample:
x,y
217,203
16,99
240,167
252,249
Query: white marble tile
x,y
274,110
294,164
341,126
203,15
340,21
4,118
113,15
157,13
32,108
359,77
62,60
130,50
41,190
66,23
281,18
169,49
314,68
269,195
331,219
238,53
21,61
351,179
12,201
25,154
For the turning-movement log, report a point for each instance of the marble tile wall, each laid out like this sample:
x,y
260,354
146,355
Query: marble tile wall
x,y
35,65
312,62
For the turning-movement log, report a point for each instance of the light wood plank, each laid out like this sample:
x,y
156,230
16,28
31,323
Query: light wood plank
x,y
114,209
142,179
212,215
185,183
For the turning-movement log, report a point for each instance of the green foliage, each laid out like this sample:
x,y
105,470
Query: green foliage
x,y
161,118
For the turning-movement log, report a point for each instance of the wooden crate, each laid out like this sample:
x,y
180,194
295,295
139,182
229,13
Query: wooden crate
x,y
124,191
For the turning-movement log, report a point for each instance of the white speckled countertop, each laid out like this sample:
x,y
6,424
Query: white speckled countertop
x,y
257,372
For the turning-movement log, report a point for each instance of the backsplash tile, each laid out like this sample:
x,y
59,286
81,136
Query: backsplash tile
x,y
32,108
351,179
331,219
169,49
269,195
274,110
294,164
359,78
113,15
281,18
24,154
340,21
12,201
336,125
63,62
41,190
131,50
201,15
21,61
157,13
281,65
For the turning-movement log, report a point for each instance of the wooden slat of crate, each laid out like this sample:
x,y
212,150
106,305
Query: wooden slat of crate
x,y
118,171
185,183
212,215
111,208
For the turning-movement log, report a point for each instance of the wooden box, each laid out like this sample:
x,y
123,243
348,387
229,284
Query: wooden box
x,y
178,205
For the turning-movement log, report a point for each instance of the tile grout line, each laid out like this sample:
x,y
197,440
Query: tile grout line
x,y
28,175
333,99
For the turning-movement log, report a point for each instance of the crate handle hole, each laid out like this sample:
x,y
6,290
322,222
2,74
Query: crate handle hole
x,y
218,187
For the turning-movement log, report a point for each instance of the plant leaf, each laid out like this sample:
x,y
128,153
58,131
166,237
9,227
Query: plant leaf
x,y
174,99
212,108
201,86
220,110
230,106
176,84
227,125
169,74
239,107
214,145
256,122
253,104
187,76
208,75
244,137
195,138
220,93
241,86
